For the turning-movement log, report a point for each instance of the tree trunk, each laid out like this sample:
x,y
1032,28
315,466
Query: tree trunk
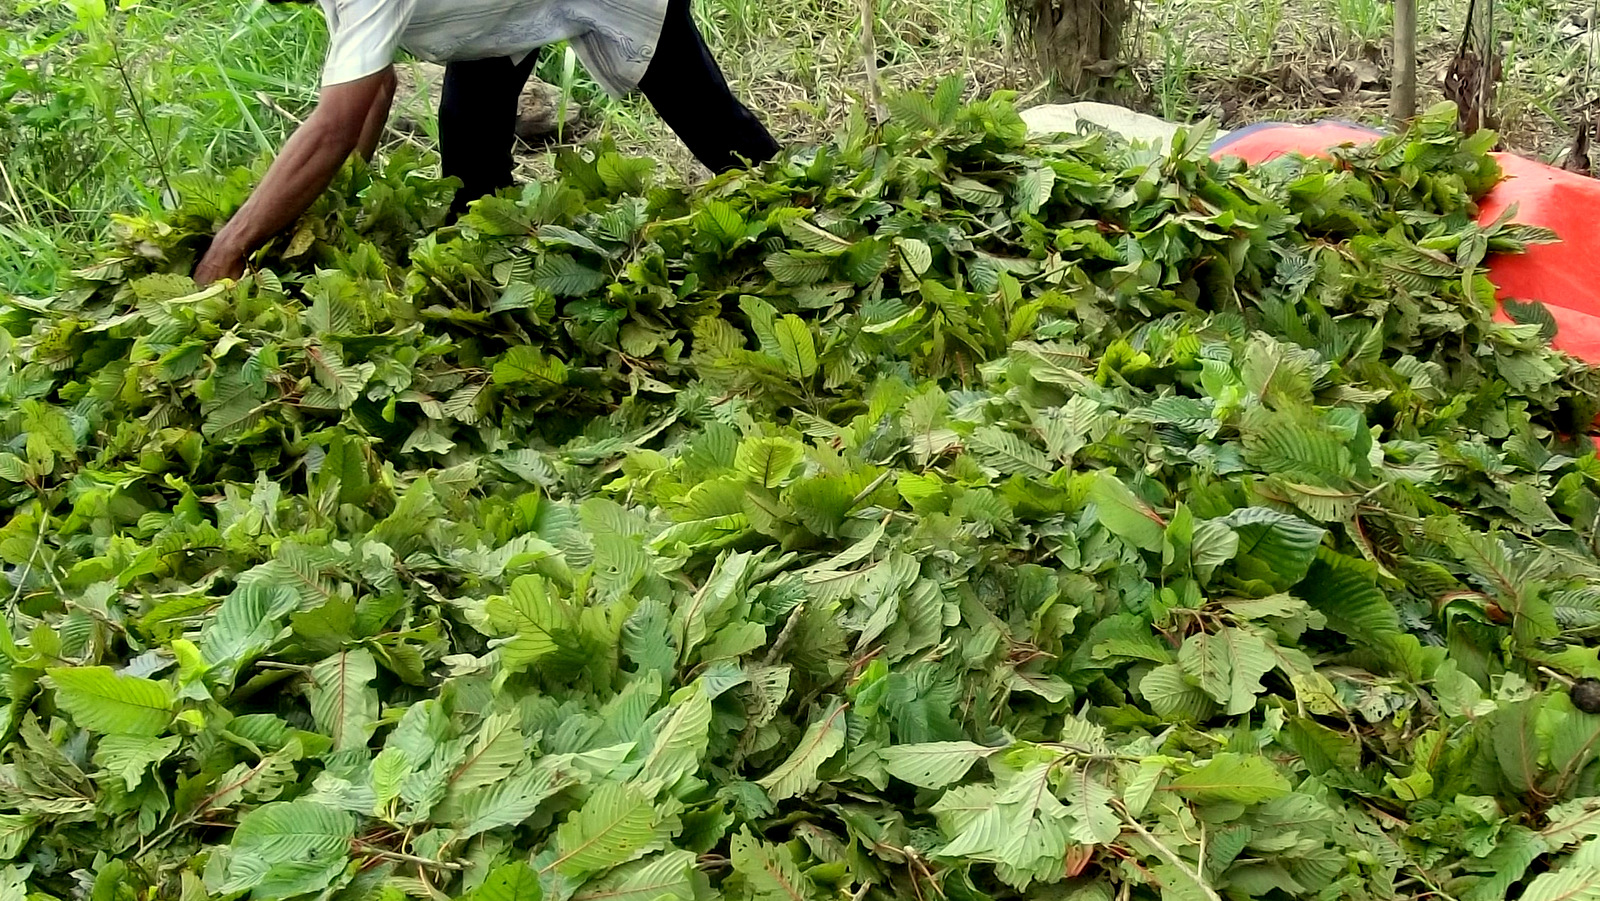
x,y
1077,43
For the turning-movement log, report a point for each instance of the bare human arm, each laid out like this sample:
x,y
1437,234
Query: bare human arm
x,y
348,117
377,116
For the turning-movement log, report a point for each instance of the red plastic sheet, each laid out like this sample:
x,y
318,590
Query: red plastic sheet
x,y
1564,276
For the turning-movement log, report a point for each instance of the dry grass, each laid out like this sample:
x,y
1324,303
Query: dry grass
x,y
1244,61
1239,61
800,67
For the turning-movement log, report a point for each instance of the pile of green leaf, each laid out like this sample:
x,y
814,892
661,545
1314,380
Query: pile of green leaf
x,y
931,515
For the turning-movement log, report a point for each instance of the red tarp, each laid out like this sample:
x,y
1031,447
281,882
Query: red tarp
x,y
1564,276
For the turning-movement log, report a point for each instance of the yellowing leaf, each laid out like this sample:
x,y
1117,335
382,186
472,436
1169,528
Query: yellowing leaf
x,y
1233,777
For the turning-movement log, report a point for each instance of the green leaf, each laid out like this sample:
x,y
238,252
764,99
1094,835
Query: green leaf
x,y
1531,313
1573,822
1274,547
541,625
798,774
341,383
495,752
1034,188
1228,665
795,347
512,882
1516,743
770,872
563,276
799,267
1009,453
506,803
676,737
130,756
613,826
767,461
1089,801
1172,694
288,848
1345,591
933,764
1233,777
1572,883
1128,517
526,364
343,701
665,877
102,701
246,624
722,222
15,831
1518,848
865,261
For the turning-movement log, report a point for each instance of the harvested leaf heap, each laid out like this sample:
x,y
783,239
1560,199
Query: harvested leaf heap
x,y
936,515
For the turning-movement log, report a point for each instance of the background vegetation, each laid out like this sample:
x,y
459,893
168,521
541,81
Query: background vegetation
x,y
100,106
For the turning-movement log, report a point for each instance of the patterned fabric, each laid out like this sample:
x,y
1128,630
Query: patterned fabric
x,y
614,39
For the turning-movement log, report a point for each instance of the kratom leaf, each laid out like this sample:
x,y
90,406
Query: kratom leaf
x,y
1089,802
799,267
563,276
664,877
495,752
512,882
527,364
505,803
1010,454
795,347
767,461
1119,510
1274,547
1572,883
288,848
770,872
1344,590
933,764
130,756
798,774
15,831
676,738
1232,777
102,701
613,825
541,625
343,701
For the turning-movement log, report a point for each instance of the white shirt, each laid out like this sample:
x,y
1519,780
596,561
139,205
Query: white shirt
x,y
615,39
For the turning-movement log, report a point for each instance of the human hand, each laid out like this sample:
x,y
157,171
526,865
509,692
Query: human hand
x,y
220,261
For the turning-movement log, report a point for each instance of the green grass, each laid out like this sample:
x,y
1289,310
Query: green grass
x,y
99,107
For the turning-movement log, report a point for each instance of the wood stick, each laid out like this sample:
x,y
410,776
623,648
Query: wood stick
x,y
869,55
1403,89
